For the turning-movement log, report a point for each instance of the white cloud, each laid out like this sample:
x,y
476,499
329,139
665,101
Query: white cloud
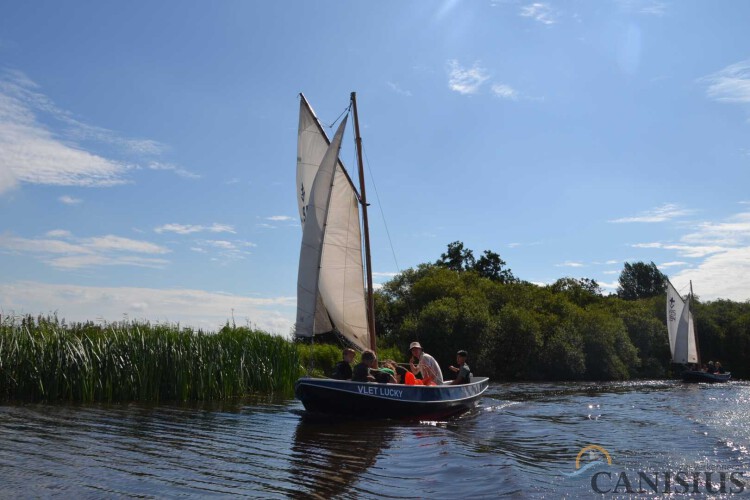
x,y
722,275
725,249
663,213
77,253
225,251
696,251
195,228
465,80
280,218
540,12
610,287
58,233
69,200
570,264
504,91
673,264
648,7
731,84
196,308
397,89
33,152
86,261
384,275
155,165
119,244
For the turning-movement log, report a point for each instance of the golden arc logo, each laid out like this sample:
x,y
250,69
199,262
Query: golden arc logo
x,y
592,447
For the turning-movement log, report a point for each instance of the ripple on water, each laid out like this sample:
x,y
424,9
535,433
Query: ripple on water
x,y
522,440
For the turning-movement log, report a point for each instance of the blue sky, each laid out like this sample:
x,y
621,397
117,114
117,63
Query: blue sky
x,y
147,149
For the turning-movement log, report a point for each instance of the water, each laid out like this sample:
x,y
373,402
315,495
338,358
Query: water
x,y
521,441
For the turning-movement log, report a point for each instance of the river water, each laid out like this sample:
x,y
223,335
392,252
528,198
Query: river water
x,y
522,440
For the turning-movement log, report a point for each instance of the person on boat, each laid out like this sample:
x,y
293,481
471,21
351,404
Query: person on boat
x,y
368,371
343,369
462,371
425,364
361,372
719,368
384,375
404,376
711,367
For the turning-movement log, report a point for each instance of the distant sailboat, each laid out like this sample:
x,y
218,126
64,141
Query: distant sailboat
x,y
332,294
683,342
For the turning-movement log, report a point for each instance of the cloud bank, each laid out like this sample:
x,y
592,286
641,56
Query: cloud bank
x,y
195,308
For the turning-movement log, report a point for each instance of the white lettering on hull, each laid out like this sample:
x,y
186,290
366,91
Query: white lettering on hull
x,y
380,391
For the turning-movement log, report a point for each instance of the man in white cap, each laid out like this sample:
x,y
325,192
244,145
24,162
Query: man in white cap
x,y
426,365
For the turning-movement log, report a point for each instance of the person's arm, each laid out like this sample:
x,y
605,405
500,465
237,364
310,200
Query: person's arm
x,y
414,368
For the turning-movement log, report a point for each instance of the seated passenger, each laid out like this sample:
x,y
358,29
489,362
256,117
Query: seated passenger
x,y
463,372
361,372
711,368
423,363
383,376
343,369
404,376
719,368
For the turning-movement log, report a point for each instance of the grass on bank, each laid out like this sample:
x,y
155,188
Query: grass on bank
x,y
46,359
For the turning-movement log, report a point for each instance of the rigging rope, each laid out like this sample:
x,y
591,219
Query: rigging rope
x,y
348,108
380,208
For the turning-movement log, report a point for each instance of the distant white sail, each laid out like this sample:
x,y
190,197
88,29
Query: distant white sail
x,y
681,328
692,348
340,301
675,305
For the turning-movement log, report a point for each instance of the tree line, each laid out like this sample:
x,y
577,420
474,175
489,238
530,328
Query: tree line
x,y
568,330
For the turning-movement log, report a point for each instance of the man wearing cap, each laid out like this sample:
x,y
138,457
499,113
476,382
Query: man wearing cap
x,y
426,365
463,372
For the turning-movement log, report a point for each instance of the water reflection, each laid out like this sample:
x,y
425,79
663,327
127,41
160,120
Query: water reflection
x,y
329,456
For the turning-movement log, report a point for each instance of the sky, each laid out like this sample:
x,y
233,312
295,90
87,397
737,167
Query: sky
x,y
148,149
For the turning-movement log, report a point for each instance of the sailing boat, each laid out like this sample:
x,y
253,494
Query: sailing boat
x,y
683,343
331,290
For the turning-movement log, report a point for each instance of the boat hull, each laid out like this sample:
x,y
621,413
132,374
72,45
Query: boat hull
x,y
711,378
372,400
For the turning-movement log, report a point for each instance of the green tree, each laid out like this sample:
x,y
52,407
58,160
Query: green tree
x,y
579,291
640,280
491,266
457,257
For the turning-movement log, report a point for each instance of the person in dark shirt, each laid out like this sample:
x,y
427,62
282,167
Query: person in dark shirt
x,y
463,372
361,372
343,369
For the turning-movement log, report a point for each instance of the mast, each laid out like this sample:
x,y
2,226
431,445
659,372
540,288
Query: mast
x,y
363,200
695,331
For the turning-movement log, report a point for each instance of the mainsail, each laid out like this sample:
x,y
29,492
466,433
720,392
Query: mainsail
x,y
330,286
681,328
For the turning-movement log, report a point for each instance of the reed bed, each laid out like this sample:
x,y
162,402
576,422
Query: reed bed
x,y
44,359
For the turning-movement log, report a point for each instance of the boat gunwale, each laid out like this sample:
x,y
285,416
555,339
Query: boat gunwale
x,y
330,387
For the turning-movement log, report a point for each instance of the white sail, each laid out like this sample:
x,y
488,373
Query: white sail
x,y
681,328
332,251
675,305
313,233
692,348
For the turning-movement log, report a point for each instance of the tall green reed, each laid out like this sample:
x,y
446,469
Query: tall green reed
x,y
45,359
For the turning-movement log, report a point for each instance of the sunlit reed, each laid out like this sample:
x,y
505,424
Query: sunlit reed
x,y
45,359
